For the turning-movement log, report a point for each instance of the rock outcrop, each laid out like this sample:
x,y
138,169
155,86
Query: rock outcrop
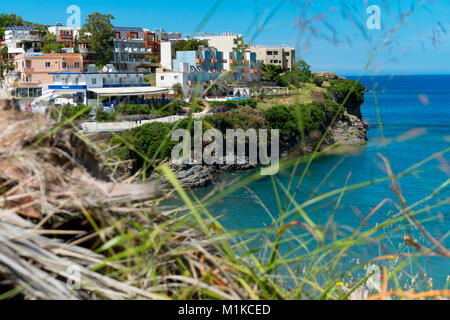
x,y
328,75
193,176
349,130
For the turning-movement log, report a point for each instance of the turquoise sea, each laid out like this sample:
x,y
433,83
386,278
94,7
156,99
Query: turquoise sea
x,y
415,115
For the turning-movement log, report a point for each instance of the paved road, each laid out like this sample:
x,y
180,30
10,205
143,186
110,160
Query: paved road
x,y
89,127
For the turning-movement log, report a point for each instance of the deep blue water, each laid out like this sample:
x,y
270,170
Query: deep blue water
x,y
403,107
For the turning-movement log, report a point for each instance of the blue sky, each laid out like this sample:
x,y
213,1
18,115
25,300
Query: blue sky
x,y
334,38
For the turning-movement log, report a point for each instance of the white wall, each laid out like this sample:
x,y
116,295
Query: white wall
x,y
166,55
188,80
168,79
95,80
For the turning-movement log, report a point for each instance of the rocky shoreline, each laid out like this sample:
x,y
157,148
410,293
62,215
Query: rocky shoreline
x,y
348,131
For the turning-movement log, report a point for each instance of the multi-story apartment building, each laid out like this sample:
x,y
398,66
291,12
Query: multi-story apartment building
x,y
21,39
133,47
162,35
76,85
203,65
191,80
32,70
208,59
225,42
35,67
280,56
66,35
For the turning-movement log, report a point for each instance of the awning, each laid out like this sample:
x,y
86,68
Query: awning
x,y
45,96
128,91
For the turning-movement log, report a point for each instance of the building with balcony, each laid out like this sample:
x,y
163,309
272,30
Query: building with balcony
x,y
207,59
279,56
76,86
133,48
241,65
192,80
162,35
21,39
35,67
224,42
64,34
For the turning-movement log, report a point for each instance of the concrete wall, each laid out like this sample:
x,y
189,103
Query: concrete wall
x,y
166,55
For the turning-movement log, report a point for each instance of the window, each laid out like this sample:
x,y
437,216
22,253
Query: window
x,y
94,81
77,64
64,65
104,81
76,80
175,77
162,77
47,64
269,53
287,54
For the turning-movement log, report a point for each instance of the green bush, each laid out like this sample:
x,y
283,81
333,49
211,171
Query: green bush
x,y
299,74
133,109
235,104
296,119
271,72
318,80
243,118
68,111
101,115
341,88
146,140
281,117
169,109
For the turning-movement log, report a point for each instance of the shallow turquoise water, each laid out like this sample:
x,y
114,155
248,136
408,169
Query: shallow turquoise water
x,y
418,103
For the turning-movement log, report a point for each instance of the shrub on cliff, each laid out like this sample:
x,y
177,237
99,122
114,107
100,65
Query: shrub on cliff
x,y
149,140
294,119
281,117
341,88
300,73
243,118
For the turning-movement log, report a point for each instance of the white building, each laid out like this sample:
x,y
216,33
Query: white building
x,y
133,47
283,56
17,38
192,82
224,42
64,34
166,55
76,85
162,35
